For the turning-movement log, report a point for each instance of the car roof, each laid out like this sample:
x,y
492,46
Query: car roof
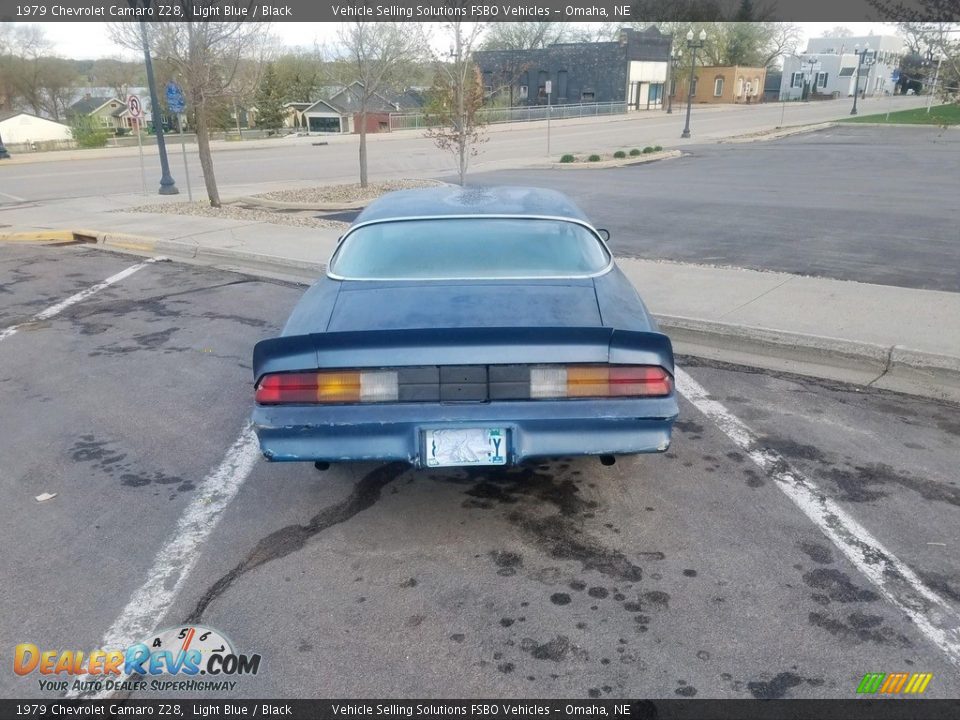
x,y
454,200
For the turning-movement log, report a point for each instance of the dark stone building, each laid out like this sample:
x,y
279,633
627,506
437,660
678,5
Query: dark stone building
x,y
631,69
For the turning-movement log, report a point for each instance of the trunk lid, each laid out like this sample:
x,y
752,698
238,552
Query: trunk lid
x,y
365,306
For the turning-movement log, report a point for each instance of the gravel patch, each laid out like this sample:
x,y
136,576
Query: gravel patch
x,y
233,212
345,193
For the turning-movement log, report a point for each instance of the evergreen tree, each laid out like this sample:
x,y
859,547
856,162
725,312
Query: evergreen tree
x,y
269,100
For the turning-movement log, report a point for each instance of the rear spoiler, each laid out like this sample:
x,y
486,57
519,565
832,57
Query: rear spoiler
x,y
461,346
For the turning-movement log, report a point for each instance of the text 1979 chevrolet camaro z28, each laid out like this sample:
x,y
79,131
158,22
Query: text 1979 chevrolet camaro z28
x,y
466,326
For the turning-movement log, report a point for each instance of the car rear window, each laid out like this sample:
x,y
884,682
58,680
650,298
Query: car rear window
x,y
469,248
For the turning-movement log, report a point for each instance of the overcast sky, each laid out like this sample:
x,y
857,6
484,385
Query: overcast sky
x,y
93,42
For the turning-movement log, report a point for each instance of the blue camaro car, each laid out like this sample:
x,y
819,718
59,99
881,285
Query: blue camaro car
x,y
466,326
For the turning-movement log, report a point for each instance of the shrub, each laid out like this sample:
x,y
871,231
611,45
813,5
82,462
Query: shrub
x,y
594,158
88,133
647,150
657,148
634,152
568,158
619,154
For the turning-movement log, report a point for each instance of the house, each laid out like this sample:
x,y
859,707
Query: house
x,y
723,84
632,69
108,112
339,111
322,117
22,127
828,68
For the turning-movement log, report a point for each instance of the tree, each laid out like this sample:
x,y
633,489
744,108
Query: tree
x,y
456,98
28,48
838,31
269,100
755,44
524,35
87,132
58,78
376,58
206,59
301,74
939,41
118,75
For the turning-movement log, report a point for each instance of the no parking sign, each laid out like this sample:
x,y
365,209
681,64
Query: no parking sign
x,y
135,107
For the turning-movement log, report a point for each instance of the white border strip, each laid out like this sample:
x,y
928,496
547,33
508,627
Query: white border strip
x,y
937,619
78,297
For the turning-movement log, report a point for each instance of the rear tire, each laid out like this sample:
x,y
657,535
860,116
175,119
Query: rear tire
x,y
321,465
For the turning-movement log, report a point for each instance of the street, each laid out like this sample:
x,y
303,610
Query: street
x,y
798,534
298,161
875,205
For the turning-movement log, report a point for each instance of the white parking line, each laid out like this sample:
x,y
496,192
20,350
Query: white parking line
x,y
173,563
933,616
15,198
74,299
178,555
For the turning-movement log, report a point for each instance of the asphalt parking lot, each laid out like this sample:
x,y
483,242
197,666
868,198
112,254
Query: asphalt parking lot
x,y
798,534
871,204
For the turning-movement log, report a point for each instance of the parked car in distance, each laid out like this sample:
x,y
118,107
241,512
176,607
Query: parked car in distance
x,y
466,326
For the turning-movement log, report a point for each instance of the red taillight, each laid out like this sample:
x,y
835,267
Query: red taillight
x,y
639,380
339,386
572,381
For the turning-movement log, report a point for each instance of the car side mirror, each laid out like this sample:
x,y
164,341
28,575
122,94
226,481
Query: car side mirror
x,y
604,233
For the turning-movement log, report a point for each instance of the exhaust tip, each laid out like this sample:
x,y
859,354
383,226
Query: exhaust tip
x,y
321,465
607,460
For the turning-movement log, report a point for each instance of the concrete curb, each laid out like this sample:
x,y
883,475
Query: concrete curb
x,y
319,207
283,205
914,372
52,237
616,162
777,134
894,367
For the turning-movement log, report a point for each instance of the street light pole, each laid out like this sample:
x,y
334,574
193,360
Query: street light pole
x,y
168,185
675,56
692,46
856,84
813,78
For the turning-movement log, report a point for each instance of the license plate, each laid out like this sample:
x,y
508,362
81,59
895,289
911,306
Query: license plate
x,y
466,446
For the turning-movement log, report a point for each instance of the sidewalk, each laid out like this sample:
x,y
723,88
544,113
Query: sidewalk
x,y
895,338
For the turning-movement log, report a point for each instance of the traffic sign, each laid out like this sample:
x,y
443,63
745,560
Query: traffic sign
x,y
175,99
895,75
135,107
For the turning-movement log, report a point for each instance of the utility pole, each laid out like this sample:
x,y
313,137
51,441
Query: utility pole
x,y
933,88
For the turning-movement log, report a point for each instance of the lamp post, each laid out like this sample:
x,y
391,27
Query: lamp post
x,y
692,46
675,55
812,62
861,55
168,185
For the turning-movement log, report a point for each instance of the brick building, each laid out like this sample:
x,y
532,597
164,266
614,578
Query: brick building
x,y
722,84
632,69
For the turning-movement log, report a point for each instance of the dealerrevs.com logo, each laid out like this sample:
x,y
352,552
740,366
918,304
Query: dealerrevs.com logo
x,y
190,659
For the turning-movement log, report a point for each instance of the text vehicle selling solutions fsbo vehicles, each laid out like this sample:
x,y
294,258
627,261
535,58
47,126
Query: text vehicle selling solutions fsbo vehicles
x,y
466,326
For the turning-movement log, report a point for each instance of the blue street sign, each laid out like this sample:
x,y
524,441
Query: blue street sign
x,y
895,76
175,100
